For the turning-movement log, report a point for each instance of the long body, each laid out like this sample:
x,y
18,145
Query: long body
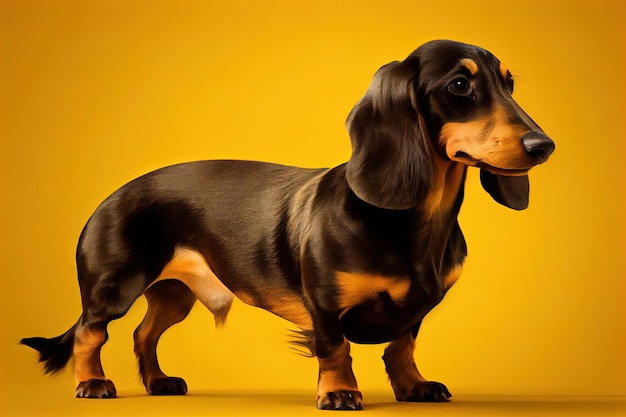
x,y
357,253
252,222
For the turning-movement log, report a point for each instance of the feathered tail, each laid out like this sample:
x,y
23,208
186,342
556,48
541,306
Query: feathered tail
x,y
55,352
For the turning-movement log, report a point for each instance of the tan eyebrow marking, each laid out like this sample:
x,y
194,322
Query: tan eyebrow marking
x,y
470,64
504,71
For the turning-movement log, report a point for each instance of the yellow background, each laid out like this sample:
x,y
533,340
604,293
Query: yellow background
x,y
95,93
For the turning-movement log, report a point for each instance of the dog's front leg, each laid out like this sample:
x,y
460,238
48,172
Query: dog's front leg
x,y
336,387
407,382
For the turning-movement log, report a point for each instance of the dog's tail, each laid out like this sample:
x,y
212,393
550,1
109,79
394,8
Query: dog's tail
x,y
56,352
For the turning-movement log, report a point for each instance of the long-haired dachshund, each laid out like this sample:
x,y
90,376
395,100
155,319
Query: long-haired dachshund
x,y
360,252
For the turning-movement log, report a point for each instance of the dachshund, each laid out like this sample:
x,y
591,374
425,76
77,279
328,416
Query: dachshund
x,y
357,253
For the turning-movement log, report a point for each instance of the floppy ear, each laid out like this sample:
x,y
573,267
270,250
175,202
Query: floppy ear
x,y
508,191
390,166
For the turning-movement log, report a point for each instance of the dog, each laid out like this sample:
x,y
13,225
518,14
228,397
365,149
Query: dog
x,y
357,253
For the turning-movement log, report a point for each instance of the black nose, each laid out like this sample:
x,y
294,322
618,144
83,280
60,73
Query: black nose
x,y
538,145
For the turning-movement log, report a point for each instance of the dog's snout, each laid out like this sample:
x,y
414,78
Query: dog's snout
x,y
538,145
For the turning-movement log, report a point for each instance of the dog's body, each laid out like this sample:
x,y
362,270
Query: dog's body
x,y
360,252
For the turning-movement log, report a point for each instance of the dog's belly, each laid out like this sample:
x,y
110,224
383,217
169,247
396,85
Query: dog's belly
x,y
190,267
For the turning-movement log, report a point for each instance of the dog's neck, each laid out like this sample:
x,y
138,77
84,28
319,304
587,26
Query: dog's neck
x,y
447,182
438,220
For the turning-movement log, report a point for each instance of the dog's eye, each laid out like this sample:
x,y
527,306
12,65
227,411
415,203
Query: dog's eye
x,y
459,86
510,84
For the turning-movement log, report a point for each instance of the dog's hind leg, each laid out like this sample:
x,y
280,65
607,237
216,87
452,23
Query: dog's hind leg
x,y
169,302
105,298
88,341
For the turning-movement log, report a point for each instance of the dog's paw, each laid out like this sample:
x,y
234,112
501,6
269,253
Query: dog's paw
x,y
340,400
167,386
428,391
96,388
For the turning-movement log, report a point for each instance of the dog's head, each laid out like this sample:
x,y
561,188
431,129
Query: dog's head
x,y
446,101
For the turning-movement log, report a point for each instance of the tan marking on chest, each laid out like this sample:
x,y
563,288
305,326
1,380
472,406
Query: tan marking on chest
x,y
452,276
354,288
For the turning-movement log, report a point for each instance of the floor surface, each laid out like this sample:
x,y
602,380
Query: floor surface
x,y
302,404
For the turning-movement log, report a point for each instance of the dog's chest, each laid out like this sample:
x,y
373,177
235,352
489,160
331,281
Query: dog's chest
x,y
376,309
355,288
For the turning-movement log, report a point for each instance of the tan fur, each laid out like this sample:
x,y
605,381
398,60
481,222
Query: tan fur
x,y
336,372
470,64
190,267
290,307
490,140
446,185
452,276
355,288
400,364
87,345
169,302
504,71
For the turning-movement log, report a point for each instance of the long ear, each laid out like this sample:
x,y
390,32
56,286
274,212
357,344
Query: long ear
x,y
508,191
391,160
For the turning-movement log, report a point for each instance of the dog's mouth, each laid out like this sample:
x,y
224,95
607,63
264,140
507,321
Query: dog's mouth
x,y
470,160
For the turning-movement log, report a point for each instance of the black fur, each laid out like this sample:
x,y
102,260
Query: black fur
x,y
359,252
55,352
